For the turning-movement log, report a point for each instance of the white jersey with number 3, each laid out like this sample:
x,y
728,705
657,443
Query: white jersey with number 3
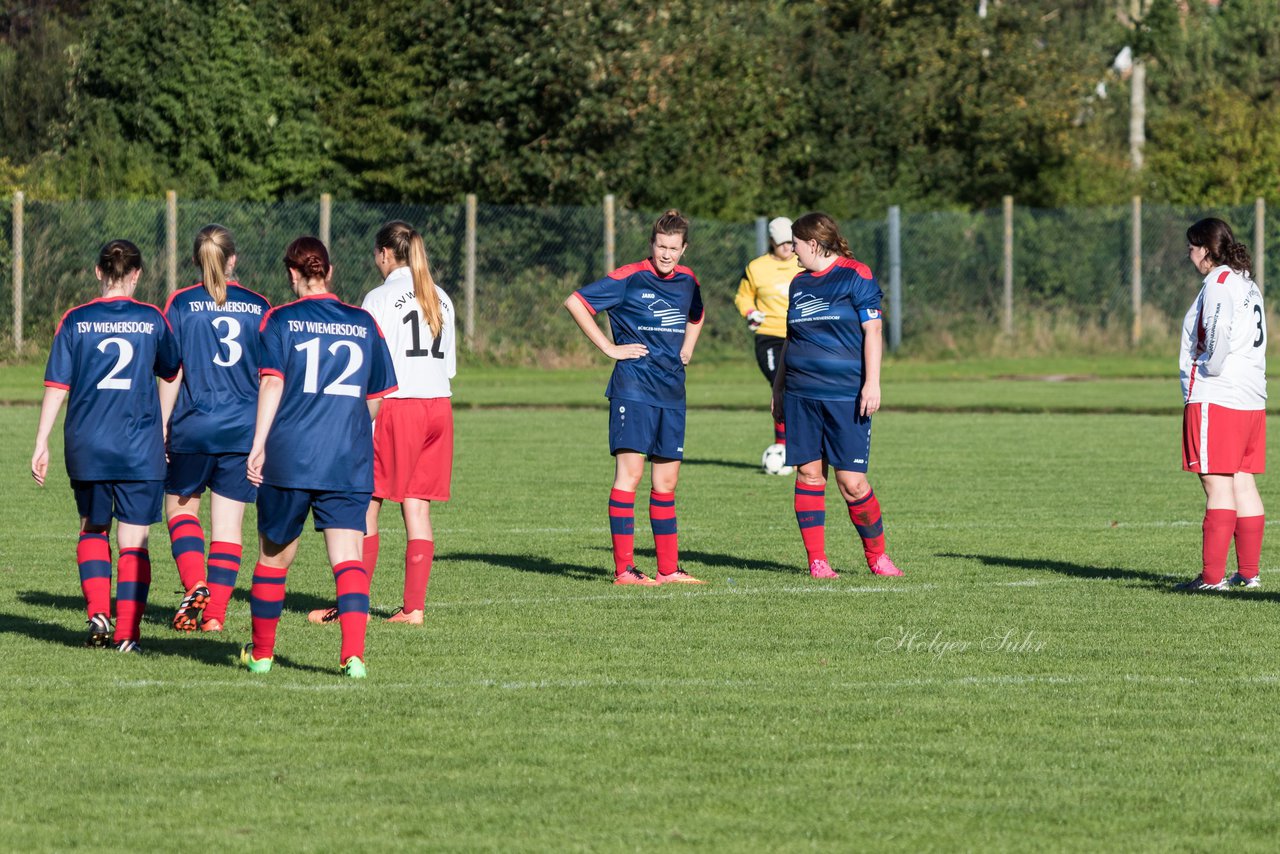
x,y
1224,344
424,363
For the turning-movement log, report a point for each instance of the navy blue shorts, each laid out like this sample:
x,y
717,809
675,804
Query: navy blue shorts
x,y
282,511
225,474
134,502
827,429
649,430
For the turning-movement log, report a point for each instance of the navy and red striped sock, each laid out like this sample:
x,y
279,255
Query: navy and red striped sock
x,y
266,602
353,607
811,516
187,543
132,586
865,515
622,526
779,433
417,573
224,569
662,520
93,557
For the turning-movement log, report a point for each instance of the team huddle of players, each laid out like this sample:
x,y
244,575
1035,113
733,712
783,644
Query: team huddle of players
x,y
273,405
319,408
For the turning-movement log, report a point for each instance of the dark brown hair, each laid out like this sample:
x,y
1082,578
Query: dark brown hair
x,y
822,228
119,258
1215,237
406,244
671,222
308,256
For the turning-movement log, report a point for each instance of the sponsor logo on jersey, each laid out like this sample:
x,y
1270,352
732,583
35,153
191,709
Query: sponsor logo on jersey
x,y
665,312
648,295
808,304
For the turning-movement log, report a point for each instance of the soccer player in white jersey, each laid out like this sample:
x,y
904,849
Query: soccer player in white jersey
x,y
413,436
1223,366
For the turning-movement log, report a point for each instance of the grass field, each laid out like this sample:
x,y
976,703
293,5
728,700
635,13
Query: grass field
x,y
1032,682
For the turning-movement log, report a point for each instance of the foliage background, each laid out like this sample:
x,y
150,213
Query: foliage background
x,y
727,109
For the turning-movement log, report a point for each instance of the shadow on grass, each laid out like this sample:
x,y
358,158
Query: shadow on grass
x,y
728,464
1153,580
534,563
301,603
198,648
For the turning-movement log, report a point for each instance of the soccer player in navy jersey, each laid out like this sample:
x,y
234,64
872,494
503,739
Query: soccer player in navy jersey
x,y
655,311
325,368
104,360
209,417
828,387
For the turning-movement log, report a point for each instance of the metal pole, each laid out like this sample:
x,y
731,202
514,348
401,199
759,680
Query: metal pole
x,y
762,235
1259,241
18,229
469,322
326,218
1135,270
610,235
895,277
1008,265
171,239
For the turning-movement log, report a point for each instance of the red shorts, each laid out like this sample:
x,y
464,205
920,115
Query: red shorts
x,y
413,449
1218,440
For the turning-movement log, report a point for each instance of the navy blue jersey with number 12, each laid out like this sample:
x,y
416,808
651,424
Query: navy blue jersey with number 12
x,y
824,330
645,308
107,354
218,402
332,359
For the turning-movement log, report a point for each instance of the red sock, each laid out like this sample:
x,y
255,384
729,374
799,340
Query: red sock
x,y
1219,526
811,515
865,515
779,433
266,602
93,556
1249,531
187,539
353,608
369,554
132,586
224,569
417,572
622,524
662,520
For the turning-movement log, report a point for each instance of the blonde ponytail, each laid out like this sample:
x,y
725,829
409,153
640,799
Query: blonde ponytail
x,y
213,248
424,286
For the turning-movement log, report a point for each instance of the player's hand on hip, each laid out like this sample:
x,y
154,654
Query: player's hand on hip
x,y
622,352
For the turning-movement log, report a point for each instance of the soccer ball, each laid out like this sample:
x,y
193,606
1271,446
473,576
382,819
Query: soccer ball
x,y
774,460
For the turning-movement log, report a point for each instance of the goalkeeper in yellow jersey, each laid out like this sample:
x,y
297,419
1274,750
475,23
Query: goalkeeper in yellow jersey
x,y
762,300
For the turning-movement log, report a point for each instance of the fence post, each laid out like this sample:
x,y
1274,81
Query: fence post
x,y
1259,241
895,277
171,240
1008,265
18,229
469,286
762,235
1135,270
610,235
326,219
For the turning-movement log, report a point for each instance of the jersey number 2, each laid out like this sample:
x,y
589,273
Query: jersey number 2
x,y
416,350
123,358
311,379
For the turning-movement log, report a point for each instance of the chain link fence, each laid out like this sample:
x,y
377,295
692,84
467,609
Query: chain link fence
x,y
1073,267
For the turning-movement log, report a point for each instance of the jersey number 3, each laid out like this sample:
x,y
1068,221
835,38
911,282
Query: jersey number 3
x,y
1262,336
311,379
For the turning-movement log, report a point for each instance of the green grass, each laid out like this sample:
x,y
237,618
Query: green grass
x,y
540,708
